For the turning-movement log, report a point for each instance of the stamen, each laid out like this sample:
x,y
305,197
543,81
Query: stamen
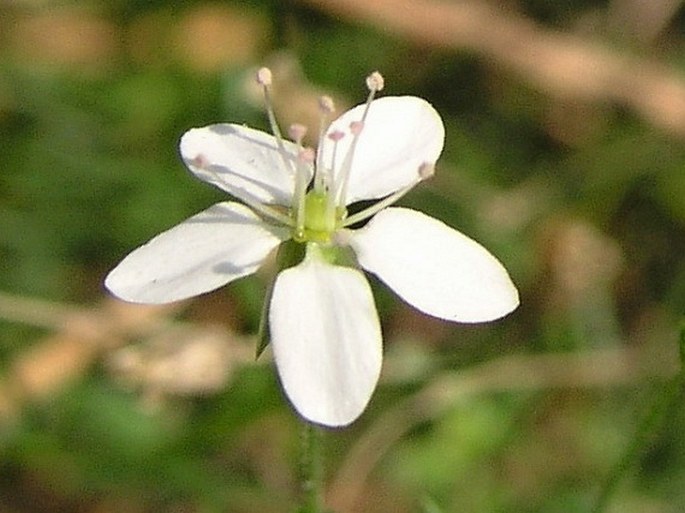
x,y
331,203
356,128
305,159
335,136
426,170
297,132
326,107
422,174
264,79
264,76
374,82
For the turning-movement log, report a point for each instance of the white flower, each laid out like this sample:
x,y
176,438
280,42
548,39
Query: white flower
x,y
323,323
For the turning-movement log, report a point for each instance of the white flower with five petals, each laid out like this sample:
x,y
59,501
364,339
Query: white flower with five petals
x,y
323,323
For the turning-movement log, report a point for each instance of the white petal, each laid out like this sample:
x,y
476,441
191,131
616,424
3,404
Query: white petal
x,y
224,242
434,268
400,134
242,161
326,339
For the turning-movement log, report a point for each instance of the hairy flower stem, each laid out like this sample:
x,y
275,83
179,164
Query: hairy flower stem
x,y
312,469
649,427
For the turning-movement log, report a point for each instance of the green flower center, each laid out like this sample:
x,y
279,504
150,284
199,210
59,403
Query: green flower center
x,y
320,220
316,214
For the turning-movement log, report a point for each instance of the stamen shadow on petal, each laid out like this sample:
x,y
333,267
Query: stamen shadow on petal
x,y
267,188
231,269
230,130
225,179
222,213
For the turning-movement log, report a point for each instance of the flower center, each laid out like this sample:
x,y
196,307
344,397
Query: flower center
x,y
319,203
319,224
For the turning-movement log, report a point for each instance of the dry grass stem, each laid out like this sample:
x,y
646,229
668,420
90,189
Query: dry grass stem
x,y
560,64
80,336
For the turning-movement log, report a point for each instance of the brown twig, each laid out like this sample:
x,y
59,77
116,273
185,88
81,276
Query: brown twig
x,y
80,336
557,63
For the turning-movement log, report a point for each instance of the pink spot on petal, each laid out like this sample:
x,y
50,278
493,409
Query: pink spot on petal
x,y
200,161
356,127
336,135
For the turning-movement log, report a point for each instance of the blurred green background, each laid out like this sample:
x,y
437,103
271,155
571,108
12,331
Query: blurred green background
x,y
564,156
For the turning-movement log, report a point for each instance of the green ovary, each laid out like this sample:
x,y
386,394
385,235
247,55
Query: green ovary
x,y
319,223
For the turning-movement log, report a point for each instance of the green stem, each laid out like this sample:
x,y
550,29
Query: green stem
x,y
649,425
312,470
